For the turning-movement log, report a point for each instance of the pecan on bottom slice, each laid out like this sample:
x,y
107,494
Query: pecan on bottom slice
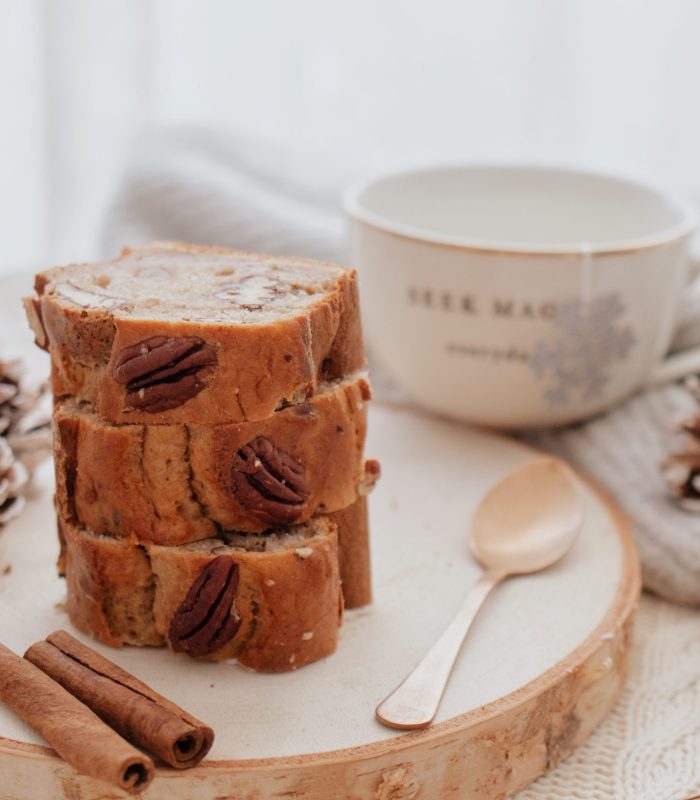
x,y
163,372
268,482
206,620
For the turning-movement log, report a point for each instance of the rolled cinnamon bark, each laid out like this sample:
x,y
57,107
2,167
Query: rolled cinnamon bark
x,y
77,734
132,708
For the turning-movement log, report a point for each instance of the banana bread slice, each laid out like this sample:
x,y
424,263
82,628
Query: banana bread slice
x,y
174,332
172,484
271,601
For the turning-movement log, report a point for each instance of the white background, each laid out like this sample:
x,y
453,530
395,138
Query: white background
x,y
613,84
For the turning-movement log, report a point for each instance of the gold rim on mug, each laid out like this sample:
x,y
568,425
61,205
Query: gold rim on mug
x,y
354,209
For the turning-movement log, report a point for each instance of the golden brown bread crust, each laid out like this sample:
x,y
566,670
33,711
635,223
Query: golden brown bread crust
x,y
354,553
257,359
288,596
111,588
173,484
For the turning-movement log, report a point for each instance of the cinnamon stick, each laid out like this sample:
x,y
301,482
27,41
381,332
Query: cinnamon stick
x,y
78,735
132,708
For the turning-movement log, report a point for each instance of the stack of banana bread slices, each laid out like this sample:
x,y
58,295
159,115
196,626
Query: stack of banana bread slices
x,y
209,429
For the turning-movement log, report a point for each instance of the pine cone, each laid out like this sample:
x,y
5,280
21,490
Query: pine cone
x,y
682,473
13,480
25,435
682,469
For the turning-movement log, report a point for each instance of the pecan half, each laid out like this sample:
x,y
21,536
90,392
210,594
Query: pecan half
x,y
85,298
163,372
206,620
252,292
269,482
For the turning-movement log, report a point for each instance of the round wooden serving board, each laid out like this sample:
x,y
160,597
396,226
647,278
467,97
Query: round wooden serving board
x,y
541,668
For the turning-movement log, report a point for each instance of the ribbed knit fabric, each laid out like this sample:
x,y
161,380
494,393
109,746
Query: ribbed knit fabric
x,y
203,187
197,186
622,451
649,746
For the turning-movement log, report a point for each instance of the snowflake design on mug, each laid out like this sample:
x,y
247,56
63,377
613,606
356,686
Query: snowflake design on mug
x,y
589,340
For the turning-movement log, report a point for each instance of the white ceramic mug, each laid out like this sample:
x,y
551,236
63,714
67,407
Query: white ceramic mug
x,y
516,297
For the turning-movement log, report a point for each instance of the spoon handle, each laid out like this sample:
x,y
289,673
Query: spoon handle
x,y
415,702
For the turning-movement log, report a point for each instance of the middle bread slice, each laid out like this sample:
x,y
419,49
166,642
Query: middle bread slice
x,y
172,484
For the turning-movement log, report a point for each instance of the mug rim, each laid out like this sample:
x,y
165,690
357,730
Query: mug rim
x,y
357,211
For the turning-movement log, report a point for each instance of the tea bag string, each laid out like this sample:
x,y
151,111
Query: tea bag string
x,y
586,275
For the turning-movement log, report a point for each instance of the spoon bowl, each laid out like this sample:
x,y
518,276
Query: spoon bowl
x,y
528,520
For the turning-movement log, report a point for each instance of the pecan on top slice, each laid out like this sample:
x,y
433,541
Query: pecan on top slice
x,y
268,482
206,620
163,372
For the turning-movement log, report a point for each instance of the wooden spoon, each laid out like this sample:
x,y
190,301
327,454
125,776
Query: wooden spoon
x,y
524,524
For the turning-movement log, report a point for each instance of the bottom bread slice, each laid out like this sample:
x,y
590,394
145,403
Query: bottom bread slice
x,y
272,601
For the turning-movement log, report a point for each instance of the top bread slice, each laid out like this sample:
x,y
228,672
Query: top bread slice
x,y
178,333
